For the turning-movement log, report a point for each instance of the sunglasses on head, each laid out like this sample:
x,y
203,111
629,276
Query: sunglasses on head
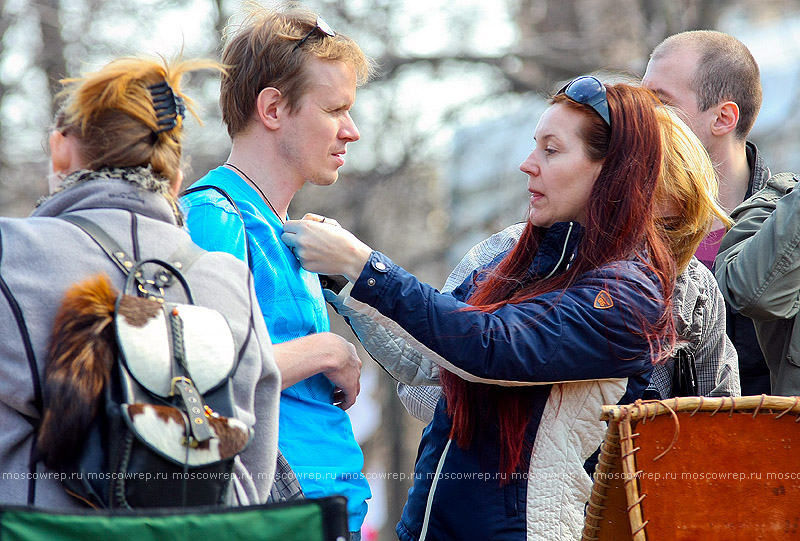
x,y
322,26
588,90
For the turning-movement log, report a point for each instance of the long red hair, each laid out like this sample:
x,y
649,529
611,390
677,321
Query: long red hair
x,y
619,226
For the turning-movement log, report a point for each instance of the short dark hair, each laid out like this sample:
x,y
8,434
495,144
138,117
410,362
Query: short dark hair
x,y
726,70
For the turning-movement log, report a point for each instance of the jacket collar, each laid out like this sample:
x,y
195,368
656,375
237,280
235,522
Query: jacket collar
x,y
759,172
557,250
110,189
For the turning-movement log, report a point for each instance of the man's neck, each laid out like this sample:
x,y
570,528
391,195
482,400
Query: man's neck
x,y
734,175
256,166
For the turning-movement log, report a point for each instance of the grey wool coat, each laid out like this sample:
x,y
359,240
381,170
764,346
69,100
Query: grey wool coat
x,y
41,256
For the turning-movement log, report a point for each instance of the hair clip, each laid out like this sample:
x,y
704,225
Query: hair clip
x,y
167,105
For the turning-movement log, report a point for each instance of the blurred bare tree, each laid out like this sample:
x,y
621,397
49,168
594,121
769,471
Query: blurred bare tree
x,y
435,72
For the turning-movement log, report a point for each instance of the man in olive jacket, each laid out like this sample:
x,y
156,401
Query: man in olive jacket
x,y
758,270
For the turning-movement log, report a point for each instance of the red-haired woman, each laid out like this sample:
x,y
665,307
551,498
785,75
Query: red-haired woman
x,y
530,346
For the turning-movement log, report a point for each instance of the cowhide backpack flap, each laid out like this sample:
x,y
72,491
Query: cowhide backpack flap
x,y
139,408
184,356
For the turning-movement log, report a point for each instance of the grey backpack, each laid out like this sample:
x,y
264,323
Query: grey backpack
x,y
138,398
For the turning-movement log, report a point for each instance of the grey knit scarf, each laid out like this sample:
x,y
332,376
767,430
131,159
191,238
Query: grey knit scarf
x,y
143,177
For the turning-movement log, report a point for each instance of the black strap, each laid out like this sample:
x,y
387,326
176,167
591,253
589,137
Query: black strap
x,y
114,251
333,282
38,401
182,258
185,256
230,200
224,194
684,376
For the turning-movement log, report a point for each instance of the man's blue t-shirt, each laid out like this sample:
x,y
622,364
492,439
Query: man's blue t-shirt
x,y
315,436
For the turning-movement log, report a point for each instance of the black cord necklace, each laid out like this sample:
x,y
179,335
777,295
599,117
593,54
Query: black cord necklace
x,y
257,188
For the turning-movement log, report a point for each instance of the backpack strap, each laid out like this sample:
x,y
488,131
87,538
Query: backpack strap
x,y
112,249
250,284
185,256
333,282
285,487
38,401
230,200
182,258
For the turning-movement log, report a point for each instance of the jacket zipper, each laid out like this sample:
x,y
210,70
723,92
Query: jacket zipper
x,y
563,252
424,533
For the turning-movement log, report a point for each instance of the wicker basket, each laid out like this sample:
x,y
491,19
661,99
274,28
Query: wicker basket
x,y
698,469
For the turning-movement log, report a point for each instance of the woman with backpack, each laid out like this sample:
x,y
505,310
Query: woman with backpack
x,y
571,318
70,349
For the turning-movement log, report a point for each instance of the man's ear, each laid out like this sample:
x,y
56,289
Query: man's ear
x,y
727,118
269,107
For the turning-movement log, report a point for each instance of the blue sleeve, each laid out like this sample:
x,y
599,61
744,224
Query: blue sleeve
x,y
214,224
592,330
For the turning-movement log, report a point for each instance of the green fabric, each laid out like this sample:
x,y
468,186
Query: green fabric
x,y
758,268
301,522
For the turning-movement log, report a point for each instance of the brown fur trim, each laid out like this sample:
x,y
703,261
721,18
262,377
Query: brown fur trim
x,y
231,439
138,311
82,352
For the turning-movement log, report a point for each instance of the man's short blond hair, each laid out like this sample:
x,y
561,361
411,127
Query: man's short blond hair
x,y
262,51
